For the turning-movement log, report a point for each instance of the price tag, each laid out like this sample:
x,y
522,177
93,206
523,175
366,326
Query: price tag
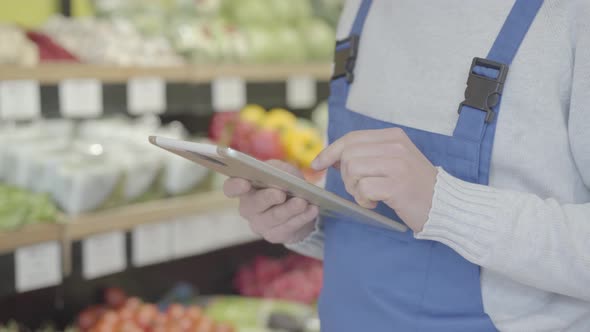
x,y
37,266
19,100
80,98
194,235
146,95
229,94
151,244
301,92
233,228
103,254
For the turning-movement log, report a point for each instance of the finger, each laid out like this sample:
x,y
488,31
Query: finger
x,y
287,231
258,201
305,230
333,153
235,187
375,189
367,204
354,170
280,214
381,149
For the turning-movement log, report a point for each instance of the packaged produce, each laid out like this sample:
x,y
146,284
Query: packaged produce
x,y
111,41
16,48
49,50
319,38
19,207
262,315
87,181
295,278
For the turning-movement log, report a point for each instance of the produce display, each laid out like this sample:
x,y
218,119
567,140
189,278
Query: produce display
x,y
274,134
169,33
16,48
121,313
19,207
110,41
96,164
263,315
294,278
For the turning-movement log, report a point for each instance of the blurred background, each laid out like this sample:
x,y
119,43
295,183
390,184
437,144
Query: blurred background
x,y
99,230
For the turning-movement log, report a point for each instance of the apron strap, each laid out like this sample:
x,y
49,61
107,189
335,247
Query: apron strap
x,y
487,76
361,16
347,49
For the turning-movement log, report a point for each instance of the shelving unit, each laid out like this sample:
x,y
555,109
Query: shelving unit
x,y
127,217
186,90
123,218
54,73
29,235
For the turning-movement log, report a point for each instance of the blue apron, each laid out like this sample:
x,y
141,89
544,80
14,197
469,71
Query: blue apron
x,y
377,279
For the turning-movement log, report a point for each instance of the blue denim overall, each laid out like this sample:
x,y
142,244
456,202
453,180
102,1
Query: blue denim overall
x,y
377,279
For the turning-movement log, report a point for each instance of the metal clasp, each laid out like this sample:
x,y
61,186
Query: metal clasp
x,y
345,58
484,92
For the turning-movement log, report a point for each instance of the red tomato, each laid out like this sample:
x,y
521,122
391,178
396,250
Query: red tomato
x,y
115,297
175,311
146,314
185,323
194,313
102,327
127,326
133,303
110,317
205,325
87,318
161,319
126,313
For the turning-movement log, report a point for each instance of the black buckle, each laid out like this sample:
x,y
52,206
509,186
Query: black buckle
x,y
345,59
483,93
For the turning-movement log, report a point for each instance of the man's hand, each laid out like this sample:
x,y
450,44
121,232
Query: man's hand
x,y
269,212
384,165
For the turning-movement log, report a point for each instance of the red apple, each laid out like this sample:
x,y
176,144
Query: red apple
x,y
241,136
266,145
220,123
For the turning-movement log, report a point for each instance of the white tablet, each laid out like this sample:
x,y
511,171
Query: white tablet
x,y
262,175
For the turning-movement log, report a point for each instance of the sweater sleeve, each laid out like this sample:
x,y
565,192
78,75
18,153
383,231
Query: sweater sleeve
x,y
312,245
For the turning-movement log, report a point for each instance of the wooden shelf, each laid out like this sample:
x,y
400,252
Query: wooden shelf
x,y
54,73
118,219
29,235
127,217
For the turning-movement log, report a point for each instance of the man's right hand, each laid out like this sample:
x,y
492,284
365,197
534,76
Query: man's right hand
x,y
269,212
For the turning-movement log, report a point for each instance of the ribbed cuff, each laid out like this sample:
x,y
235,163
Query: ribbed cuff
x,y
312,245
466,217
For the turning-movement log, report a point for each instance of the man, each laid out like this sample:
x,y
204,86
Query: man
x,y
497,202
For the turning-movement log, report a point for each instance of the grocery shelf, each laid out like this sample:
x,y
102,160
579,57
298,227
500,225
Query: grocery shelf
x,y
55,72
261,73
127,217
29,235
122,218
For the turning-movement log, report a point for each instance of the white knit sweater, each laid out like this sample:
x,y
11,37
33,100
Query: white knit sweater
x,y
530,229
